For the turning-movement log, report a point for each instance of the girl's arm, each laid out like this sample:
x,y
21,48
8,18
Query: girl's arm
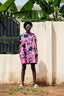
x,y
35,42
19,39
35,39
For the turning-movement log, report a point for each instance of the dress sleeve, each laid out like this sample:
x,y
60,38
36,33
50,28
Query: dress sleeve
x,y
35,38
19,39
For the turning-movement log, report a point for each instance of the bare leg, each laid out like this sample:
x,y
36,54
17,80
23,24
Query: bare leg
x,y
23,73
34,73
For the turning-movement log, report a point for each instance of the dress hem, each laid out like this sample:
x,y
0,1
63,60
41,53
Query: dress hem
x,y
28,63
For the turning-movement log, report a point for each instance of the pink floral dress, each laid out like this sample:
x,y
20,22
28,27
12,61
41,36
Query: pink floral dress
x,y
28,48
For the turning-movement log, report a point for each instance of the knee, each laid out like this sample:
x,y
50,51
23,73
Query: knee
x,y
23,68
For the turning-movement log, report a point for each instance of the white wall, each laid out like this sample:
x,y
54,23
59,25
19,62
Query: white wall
x,y
49,68
58,52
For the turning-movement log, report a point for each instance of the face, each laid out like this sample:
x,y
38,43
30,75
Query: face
x,y
28,27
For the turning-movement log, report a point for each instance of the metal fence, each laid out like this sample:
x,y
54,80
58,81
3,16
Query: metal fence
x,y
9,33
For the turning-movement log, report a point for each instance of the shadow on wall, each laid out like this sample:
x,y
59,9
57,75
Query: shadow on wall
x,y
53,55
42,75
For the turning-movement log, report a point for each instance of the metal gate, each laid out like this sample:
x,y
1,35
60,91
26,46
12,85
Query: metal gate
x,y
9,33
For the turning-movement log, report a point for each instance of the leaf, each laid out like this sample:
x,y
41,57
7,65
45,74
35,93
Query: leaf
x,y
62,9
13,7
50,0
19,14
28,6
56,3
45,6
0,3
62,1
33,15
6,5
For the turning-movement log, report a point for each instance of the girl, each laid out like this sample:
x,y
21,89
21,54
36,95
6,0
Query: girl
x,y
28,52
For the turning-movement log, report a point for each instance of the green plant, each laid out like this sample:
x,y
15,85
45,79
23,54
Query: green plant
x,y
48,7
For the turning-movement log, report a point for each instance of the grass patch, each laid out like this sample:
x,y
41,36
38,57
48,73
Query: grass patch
x,y
4,92
25,90
34,90
25,93
11,92
45,92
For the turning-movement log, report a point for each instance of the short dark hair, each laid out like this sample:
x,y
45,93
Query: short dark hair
x,y
27,22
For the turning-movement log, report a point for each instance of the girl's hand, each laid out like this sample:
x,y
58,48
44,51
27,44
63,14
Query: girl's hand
x,y
18,41
35,42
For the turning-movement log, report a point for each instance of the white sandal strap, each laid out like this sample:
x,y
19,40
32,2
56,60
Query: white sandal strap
x,y
21,85
35,86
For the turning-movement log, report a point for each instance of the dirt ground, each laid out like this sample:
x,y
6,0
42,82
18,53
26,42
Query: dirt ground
x,y
28,90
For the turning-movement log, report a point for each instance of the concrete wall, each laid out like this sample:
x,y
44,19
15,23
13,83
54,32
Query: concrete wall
x,y
50,65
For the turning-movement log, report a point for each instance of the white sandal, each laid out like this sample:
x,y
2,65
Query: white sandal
x,y
35,86
21,86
